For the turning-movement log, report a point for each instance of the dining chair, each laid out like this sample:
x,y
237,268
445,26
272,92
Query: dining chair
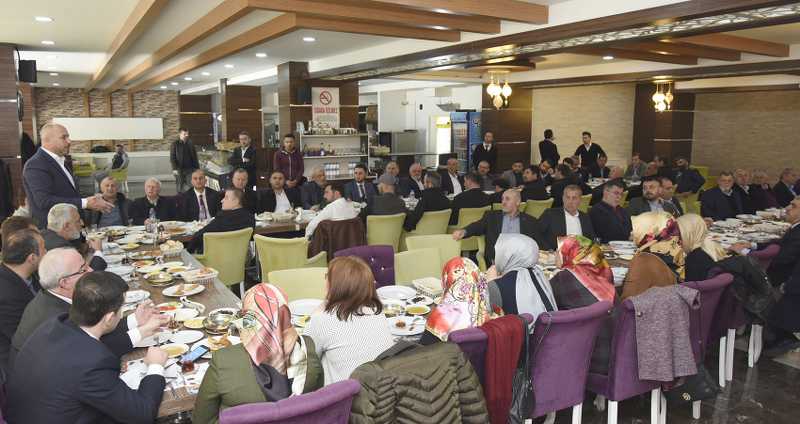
x,y
385,229
227,253
467,216
536,208
448,248
276,253
756,340
585,200
379,258
120,175
414,264
499,207
766,255
481,255
300,283
330,404
432,222
473,342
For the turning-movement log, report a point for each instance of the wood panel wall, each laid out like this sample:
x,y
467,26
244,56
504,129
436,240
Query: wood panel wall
x,y
29,103
510,125
243,110
195,116
9,121
666,134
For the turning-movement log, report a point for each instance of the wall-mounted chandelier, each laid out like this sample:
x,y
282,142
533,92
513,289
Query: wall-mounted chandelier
x,y
662,98
499,94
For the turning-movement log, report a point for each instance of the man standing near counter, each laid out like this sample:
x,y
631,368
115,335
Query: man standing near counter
x,y
289,160
183,157
244,157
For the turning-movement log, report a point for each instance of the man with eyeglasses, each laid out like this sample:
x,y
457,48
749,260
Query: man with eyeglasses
x,y
610,220
59,271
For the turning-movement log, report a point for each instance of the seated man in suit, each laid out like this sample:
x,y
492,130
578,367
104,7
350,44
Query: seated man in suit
x,y
22,252
508,220
360,190
487,183
688,179
393,170
65,374
232,217
610,221
636,168
597,192
533,188
64,230
668,195
414,183
784,189
163,207
59,271
472,197
561,178
240,181
546,172
278,198
118,215
721,202
499,186
565,221
514,175
651,200
452,182
433,199
339,208
312,194
741,180
387,202
599,169
199,203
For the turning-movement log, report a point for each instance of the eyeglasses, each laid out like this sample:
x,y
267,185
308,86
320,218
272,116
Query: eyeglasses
x,y
82,270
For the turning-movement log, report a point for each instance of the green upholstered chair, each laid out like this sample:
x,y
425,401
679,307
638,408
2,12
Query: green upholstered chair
x,y
535,208
432,222
444,243
275,254
499,207
120,175
418,263
300,283
467,216
481,252
227,253
385,229
584,206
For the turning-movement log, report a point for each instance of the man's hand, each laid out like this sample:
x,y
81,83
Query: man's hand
x,y
97,203
155,355
144,311
459,234
95,244
291,183
152,325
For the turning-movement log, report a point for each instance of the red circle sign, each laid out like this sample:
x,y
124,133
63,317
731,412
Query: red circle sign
x,y
325,97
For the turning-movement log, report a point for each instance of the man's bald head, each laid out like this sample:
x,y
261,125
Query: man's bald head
x,y
55,138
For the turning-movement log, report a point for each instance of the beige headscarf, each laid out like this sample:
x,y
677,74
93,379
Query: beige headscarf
x,y
657,233
694,234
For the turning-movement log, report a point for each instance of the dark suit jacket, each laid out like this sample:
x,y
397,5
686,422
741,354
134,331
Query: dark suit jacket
x,y
716,205
267,199
491,225
447,184
433,199
554,225
688,180
250,201
610,225
787,261
166,209
473,198
312,194
189,209
123,205
747,199
386,204
698,265
63,375
783,194
480,154
549,151
763,198
597,192
407,185
589,156
597,172
535,191
45,185
183,156
53,241
640,205
250,166
14,297
225,221
45,306
351,191
677,205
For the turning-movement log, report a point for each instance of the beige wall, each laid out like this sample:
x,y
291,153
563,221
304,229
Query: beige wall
x,y
604,110
751,130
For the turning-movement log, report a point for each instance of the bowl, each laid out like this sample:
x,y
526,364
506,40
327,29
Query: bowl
x,y
159,278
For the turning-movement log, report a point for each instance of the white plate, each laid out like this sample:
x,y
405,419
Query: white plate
x,y
154,339
166,265
396,292
171,291
114,228
150,268
121,270
622,244
183,347
113,259
420,299
134,296
413,326
137,370
234,341
183,314
626,256
187,336
301,307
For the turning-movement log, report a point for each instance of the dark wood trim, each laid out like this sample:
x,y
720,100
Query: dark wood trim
x,y
742,89
638,55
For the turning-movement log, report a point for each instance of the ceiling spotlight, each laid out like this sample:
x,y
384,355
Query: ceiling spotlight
x,y
48,42
608,57
173,83
229,65
43,19
163,87
205,74
53,74
55,84
309,39
187,78
438,27
442,11
261,55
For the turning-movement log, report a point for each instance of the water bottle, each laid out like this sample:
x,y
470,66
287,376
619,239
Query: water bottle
x,y
152,223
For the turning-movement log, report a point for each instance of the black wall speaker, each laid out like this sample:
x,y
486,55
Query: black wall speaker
x,y
27,71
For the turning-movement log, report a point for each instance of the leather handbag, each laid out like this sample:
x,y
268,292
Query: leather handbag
x,y
700,386
522,399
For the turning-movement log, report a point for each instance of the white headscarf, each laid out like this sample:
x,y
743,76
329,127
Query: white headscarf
x,y
518,252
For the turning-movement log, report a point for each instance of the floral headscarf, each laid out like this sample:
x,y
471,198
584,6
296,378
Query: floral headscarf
x,y
584,259
268,335
465,303
658,233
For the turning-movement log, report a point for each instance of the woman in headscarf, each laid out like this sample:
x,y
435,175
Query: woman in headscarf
x,y
659,259
272,363
521,287
465,302
702,253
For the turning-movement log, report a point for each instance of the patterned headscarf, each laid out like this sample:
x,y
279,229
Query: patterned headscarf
x,y
584,259
268,335
658,233
465,302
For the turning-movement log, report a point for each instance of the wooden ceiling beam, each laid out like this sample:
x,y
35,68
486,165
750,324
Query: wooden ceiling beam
x,y
226,12
737,43
510,10
270,30
324,24
363,11
684,49
635,55
140,19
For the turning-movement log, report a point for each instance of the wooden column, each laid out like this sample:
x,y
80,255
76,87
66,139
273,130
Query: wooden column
x,y
9,121
666,134
87,107
293,81
510,125
195,116
223,92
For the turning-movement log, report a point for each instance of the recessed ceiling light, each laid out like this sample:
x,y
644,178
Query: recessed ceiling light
x,y
48,42
163,87
229,66
438,27
187,78
205,74
43,19
442,11
608,57
661,76
53,74
55,84
262,55
309,39
173,83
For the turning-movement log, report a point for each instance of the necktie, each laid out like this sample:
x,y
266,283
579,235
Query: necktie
x,y
203,212
361,190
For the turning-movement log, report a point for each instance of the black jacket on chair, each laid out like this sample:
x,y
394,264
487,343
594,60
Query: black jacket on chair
x,y
718,206
783,194
166,209
554,225
63,375
472,198
610,225
480,154
433,199
45,185
53,241
190,210
447,183
267,201
491,226
14,297
230,220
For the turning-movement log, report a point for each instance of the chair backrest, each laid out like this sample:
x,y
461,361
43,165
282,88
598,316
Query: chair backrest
x,y
562,344
330,404
499,207
300,283
473,342
227,253
275,253
432,222
585,200
331,236
385,229
702,170
379,258
120,174
710,294
766,255
536,208
448,248
419,263
467,216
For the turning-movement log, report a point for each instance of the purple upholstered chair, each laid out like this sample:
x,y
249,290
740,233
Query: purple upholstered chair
x,y
473,342
766,255
560,363
330,404
379,258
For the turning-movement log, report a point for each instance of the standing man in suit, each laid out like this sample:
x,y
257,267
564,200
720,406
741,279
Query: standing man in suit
x,y
514,175
22,252
433,199
508,220
64,227
486,152
164,207
472,197
610,221
741,178
183,157
668,195
244,157
588,151
688,179
784,188
565,221
414,183
360,190
452,182
548,150
651,200
721,202
199,203
636,168
387,202
312,194
533,188
65,374
278,198
47,180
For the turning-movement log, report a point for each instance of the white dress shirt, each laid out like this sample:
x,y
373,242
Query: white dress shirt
x,y
419,182
60,160
282,203
487,147
573,223
656,205
205,202
338,210
456,184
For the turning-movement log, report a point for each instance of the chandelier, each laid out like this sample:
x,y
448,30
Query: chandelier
x,y
662,98
498,93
